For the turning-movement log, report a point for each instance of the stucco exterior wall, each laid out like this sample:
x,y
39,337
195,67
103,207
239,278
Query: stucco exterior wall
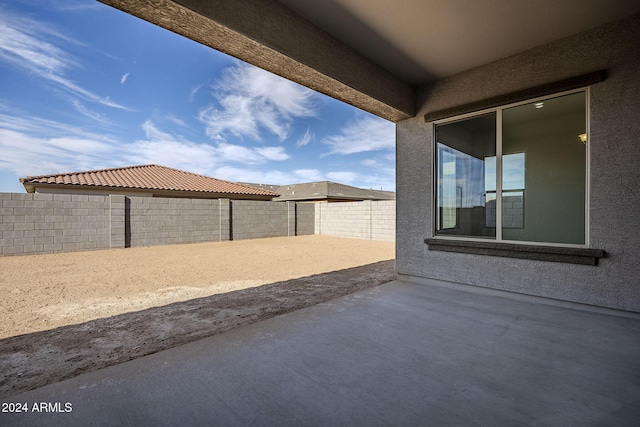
x,y
614,178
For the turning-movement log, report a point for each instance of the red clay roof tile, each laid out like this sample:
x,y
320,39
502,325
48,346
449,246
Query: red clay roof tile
x,y
148,177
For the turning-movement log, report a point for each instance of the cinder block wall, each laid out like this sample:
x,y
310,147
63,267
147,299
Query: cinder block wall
x,y
252,219
383,220
46,223
305,215
163,221
37,223
360,220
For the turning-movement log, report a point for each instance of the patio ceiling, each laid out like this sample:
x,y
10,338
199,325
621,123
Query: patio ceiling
x,y
423,40
374,53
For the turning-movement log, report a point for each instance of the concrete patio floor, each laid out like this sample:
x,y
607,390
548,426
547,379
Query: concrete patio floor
x,y
404,353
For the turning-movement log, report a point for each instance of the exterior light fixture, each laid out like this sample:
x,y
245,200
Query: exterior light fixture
x,y
583,138
539,104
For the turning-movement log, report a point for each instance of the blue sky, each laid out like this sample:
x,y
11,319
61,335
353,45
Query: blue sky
x,y
84,86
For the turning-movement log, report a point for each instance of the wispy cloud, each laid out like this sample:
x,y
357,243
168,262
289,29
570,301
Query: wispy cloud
x,y
195,89
72,5
372,163
272,153
365,133
234,173
175,120
98,117
343,177
30,45
27,151
385,164
38,127
33,146
184,155
250,100
239,154
303,175
380,172
22,43
124,77
174,150
306,138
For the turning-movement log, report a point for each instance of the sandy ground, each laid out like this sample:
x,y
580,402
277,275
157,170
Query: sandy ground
x,y
64,314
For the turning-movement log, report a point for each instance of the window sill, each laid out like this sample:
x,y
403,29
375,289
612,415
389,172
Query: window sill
x,y
584,256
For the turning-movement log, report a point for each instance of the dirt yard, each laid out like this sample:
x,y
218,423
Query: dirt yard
x,y
64,314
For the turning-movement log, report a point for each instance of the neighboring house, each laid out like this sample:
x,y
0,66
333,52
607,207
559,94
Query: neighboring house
x,y
145,180
478,91
324,191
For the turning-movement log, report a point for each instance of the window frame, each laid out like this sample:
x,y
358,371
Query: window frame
x,y
498,240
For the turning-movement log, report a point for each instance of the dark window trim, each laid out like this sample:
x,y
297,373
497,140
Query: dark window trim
x,y
584,256
518,96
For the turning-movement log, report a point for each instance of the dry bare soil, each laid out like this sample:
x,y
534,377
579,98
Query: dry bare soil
x,y
65,314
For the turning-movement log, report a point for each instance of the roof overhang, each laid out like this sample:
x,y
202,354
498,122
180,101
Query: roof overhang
x,y
373,54
99,189
270,35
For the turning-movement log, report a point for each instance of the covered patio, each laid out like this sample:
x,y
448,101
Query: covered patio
x,y
504,334
403,353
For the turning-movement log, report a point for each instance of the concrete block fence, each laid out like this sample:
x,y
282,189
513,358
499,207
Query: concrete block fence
x,y
154,221
35,223
371,220
253,219
305,218
47,223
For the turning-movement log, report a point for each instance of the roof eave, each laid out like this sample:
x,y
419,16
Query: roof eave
x,y
31,188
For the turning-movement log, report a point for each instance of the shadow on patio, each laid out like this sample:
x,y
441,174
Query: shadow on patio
x,y
34,360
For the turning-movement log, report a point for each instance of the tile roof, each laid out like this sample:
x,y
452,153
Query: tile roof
x,y
321,190
147,177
